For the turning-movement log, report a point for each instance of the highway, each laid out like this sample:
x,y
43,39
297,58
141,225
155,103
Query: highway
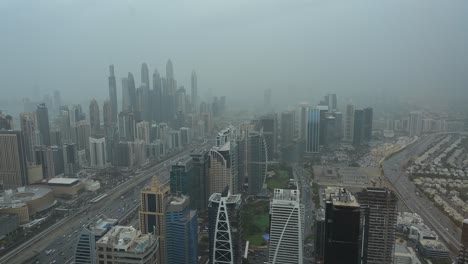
x,y
432,216
61,237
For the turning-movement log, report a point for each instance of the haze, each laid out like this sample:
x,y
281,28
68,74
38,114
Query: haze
x,y
299,49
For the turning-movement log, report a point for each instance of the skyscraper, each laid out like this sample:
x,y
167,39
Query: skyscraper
x,y
348,128
127,128
143,100
42,115
200,195
286,228
28,127
381,207
131,91
181,231
257,160
287,128
156,97
358,131
107,115
181,177
194,92
143,131
97,152
94,118
13,169
145,75
113,94
223,163
269,125
154,200
367,124
70,158
345,230
313,130
225,227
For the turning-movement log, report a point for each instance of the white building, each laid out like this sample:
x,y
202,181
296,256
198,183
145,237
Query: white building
x,y
143,131
287,228
97,152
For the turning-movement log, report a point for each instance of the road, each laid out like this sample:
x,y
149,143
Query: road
x,y
63,236
432,216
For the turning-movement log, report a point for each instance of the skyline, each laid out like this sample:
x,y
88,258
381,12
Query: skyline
x,y
369,48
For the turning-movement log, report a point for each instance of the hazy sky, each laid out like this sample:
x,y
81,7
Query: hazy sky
x,y
309,47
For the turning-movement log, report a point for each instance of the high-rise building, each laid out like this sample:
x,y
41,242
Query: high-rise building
x,y
154,200
82,135
94,118
345,230
181,231
70,159
286,228
381,207
143,131
42,115
194,92
157,98
367,124
303,122
85,249
131,91
200,170
125,244
257,160
57,101
331,102
13,168
348,128
145,81
463,253
127,128
28,127
6,122
313,130
223,163
269,125
287,128
225,227
97,153
415,123
113,95
358,131
181,177
180,100
185,135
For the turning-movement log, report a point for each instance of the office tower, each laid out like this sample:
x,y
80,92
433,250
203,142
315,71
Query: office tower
x,y
339,125
142,103
303,122
6,122
181,177
70,159
94,118
156,97
286,228
319,235
85,249
170,87
181,231
313,130
42,115
97,153
113,95
194,92
358,131
107,115
367,124
223,163
143,131
180,100
57,101
381,207
145,75
345,230
131,90
65,125
154,200
127,128
185,136
348,128
287,128
200,162
82,135
463,253
126,102
269,125
56,137
415,123
28,127
13,169
125,244
225,227
257,160
331,102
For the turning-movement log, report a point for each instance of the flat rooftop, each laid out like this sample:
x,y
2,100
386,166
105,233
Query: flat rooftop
x,y
63,181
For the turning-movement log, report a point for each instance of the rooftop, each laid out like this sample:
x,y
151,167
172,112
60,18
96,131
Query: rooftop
x,y
128,239
63,181
102,225
232,198
286,195
18,197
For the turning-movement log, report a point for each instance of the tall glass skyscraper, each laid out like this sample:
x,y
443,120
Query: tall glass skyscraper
x,y
313,130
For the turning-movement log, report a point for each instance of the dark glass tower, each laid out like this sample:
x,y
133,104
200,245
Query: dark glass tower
x,y
113,94
42,115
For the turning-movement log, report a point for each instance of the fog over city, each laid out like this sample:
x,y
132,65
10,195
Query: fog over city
x,y
415,50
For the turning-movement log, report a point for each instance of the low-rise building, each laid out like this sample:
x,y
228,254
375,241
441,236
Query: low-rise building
x,y
8,224
66,187
430,248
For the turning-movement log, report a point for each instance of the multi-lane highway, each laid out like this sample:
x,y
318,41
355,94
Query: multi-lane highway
x,y
432,216
57,243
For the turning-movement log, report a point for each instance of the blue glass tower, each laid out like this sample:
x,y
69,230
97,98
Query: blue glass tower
x,y
181,232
